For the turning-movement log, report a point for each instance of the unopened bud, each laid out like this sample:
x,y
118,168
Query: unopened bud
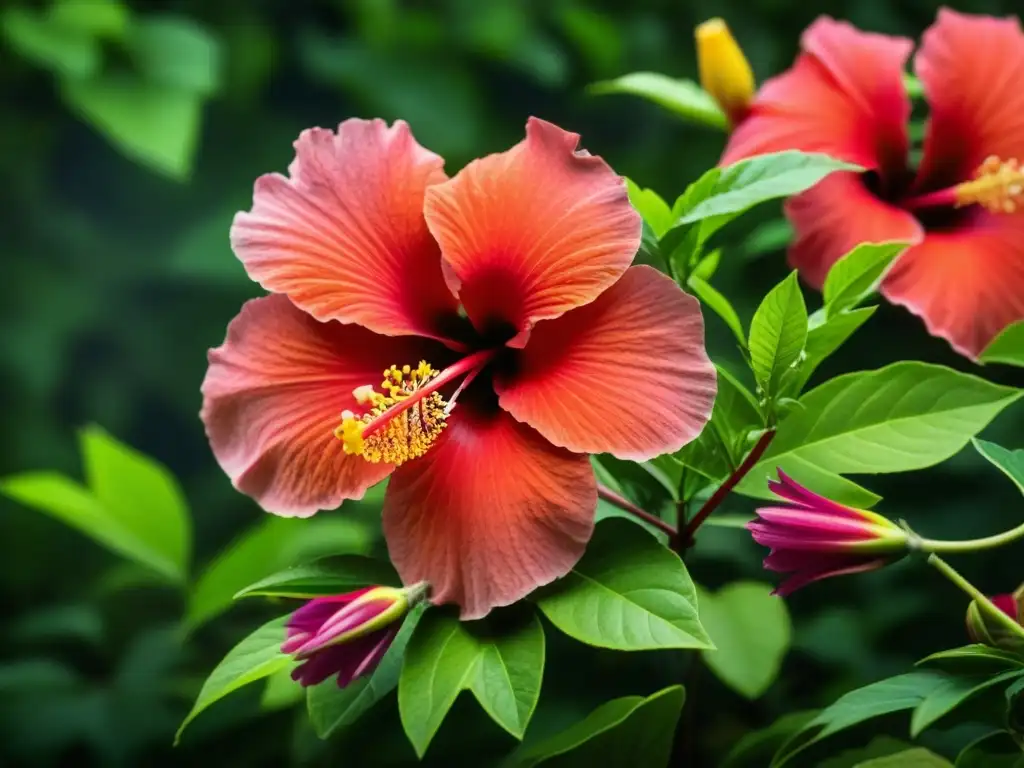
x,y
725,72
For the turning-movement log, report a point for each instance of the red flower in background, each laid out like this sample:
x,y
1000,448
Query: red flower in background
x,y
562,349
962,205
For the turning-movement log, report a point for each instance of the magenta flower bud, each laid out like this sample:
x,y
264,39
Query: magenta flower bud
x,y
813,537
347,635
982,628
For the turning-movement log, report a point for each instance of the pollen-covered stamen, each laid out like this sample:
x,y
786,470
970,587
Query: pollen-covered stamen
x,y
998,186
406,414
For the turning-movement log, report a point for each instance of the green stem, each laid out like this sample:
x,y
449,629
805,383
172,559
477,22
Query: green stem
x,y
994,613
971,545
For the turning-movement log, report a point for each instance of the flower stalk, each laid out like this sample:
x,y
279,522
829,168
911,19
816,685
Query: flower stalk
x,y
626,505
993,612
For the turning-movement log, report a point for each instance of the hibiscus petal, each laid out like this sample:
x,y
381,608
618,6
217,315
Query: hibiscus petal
x,y
627,374
970,68
835,216
967,284
533,232
844,96
490,513
344,237
273,395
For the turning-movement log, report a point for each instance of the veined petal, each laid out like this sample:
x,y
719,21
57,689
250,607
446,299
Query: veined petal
x,y
835,216
844,96
273,395
970,67
491,512
967,284
626,374
344,236
532,232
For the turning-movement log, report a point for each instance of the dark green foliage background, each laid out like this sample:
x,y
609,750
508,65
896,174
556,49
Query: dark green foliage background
x,y
117,279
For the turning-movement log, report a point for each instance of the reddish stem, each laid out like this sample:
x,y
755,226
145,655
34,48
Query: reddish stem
x,y
627,506
687,533
470,364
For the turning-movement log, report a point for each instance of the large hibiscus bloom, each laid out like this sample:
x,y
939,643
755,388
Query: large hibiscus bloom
x,y
508,288
960,207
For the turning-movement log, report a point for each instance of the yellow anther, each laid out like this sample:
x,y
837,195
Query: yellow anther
x,y
998,186
725,72
400,431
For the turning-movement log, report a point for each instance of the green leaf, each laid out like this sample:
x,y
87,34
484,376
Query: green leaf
x,y
648,203
974,657
750,628
823,340
894,694
682,97
1010,463
621,733
628,593
778,333
739,187
950,694
176,52
332,708
256,657
857,273
994,750
919,757
755,748
720,305
327,576
281,692
155,125
502,664
63,49
899,418
102,18
1007,347
142,495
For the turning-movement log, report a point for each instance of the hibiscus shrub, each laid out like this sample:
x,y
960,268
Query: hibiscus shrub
x,y
509,361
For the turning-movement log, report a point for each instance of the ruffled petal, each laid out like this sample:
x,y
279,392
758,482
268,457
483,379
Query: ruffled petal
x,y
970,67
627,374
344,237
835,216
532,232
967,284
844,96
492,511
273,395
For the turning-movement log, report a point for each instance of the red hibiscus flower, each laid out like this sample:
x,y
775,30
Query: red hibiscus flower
x,y
960,207
513,336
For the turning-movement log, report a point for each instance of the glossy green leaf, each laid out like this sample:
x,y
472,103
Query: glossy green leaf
x,y
102,18
899,418
256,657
332,708
648,203
1010,463
751,630
755,749
974,658
1007,347
328,576
717,303
502,667
628,592
707,266
281,692
153,124
621,733
857,273
63,49
741,186
994,750
682,97
951,693
141,494
176,52
823,340
778,333
894,694
918,757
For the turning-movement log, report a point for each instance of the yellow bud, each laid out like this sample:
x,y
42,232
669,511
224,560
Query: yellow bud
x,y
724,71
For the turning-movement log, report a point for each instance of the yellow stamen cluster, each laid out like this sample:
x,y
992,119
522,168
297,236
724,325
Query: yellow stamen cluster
x,y
998,186
409,432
